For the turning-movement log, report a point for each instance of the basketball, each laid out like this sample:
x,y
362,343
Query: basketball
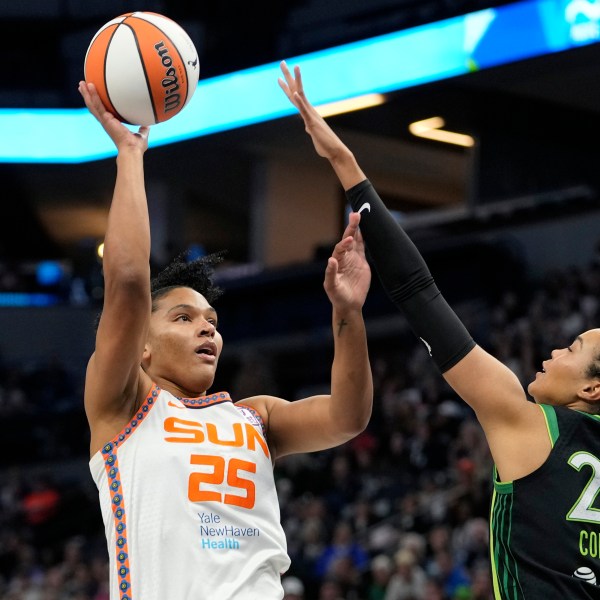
x,y
144,66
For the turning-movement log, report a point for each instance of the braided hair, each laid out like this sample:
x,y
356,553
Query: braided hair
x,y
196,274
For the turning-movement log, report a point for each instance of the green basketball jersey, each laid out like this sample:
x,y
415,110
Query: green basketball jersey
x,y
545,527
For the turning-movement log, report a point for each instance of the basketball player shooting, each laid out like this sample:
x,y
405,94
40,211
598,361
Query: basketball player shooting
x,y
545,518
185,477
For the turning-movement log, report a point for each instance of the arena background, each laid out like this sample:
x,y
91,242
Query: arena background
x,y
509,227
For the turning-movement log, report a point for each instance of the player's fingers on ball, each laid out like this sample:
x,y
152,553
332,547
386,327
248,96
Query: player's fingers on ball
x,y
144,132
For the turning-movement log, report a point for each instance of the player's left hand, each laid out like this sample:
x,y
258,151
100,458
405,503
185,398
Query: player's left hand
x,y
348,275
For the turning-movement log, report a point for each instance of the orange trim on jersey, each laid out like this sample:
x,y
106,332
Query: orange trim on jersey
x,y
111,465
204,401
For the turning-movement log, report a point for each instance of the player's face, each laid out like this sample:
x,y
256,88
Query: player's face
x,y
563,379
183,346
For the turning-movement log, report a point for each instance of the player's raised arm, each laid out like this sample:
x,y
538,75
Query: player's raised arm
x,y
114,369
488,386
325,421
327,143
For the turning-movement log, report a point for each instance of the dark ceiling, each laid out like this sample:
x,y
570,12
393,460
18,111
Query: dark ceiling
x,y
49,37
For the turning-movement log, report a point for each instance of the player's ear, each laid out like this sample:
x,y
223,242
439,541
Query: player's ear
x,y
591,392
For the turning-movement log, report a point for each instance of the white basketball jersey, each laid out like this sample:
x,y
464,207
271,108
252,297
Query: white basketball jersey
x,y
189,503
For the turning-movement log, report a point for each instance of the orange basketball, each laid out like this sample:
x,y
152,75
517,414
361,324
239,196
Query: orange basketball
x,y
144,66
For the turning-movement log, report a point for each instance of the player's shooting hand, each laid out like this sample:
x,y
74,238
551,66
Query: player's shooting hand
x,y
119,133
348,275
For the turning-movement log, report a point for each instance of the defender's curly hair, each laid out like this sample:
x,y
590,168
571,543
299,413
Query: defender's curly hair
x,y
196,274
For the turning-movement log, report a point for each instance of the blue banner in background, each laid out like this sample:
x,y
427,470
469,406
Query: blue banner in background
x,y
529,29
386,63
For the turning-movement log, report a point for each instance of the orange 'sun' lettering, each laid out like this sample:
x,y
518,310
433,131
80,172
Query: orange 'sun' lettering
x,y
191,429
213,435
192,432
252,437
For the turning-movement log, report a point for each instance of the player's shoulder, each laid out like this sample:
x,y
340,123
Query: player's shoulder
x,y
262,404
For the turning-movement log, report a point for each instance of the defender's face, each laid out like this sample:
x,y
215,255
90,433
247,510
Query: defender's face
x,y
183,346
563,378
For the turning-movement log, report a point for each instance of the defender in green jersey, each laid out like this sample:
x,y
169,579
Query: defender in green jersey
x,y
545,519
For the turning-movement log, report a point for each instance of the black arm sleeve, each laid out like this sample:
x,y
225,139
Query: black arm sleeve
x,y
407,280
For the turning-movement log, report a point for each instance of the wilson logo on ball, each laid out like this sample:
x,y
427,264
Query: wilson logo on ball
x,y
144,66
170,81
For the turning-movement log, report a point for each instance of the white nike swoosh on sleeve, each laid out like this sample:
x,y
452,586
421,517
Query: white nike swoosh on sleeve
x,y
365,206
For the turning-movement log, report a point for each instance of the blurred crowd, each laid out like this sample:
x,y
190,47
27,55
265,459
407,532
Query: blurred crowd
x,y
399,513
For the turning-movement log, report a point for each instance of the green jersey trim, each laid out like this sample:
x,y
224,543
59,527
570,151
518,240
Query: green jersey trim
x,y
551,422
591,416
505,572
506,487
502,487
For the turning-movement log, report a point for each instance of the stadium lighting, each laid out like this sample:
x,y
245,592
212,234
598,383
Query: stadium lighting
x,y
378,65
